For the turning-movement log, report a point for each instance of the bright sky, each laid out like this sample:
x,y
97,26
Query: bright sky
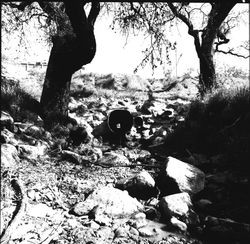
x,y
113,56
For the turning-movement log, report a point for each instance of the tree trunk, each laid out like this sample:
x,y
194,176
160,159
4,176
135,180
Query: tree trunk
x,y
73,47
207,75
205,51
66,57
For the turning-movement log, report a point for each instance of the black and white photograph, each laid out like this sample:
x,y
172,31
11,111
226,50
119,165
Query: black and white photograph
x,y
125,122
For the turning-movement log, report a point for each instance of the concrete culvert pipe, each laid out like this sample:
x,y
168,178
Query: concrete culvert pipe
x,y
120,121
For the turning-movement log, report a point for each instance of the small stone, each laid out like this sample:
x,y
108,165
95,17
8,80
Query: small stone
x,y
147,232
35,131
8,137
179,224
32,151
121,232
94,225
141,186
112,158
153,202
134,231
31,194
6,121
203,204
40,210
139,220
176,204
73,223
151,213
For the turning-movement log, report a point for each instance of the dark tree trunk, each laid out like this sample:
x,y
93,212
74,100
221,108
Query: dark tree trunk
x,y
73,46
205,51
204,45
207,76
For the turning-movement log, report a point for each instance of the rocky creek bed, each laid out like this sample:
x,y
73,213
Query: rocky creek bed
x,y
55,192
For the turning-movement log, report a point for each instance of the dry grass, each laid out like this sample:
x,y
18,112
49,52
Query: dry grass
x,y
21,105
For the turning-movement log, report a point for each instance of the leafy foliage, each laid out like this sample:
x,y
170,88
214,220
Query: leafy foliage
x,y
149,19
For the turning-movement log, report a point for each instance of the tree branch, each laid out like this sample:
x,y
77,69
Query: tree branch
x,y
94,11
191,31
76,13
231,51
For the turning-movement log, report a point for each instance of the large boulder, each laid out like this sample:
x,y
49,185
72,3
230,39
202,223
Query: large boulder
x,y
187,177
106,203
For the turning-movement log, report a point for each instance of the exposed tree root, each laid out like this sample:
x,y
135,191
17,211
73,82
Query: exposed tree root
x,y
17,214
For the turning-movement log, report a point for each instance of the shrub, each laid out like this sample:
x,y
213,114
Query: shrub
x,y
21,105
218,124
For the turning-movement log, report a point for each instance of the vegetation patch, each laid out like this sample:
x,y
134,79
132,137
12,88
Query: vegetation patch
x,y
218,124
21,105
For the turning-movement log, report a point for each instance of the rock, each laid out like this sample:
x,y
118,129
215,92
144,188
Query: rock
x,y
138,155
22,127
73,223
176,205
139,220
71,156
112,158
92,153
133,231
40,210
220,230
78,135
101,130
107,82
108,202
94,225
179,224
141,186
153,202
32,151
8,137
6,121
188,178
203,204
34,195
147,232
121,232
35,131
9,157
151,213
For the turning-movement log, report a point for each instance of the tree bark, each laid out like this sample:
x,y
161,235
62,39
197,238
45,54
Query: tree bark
x,y
74,45
205,52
